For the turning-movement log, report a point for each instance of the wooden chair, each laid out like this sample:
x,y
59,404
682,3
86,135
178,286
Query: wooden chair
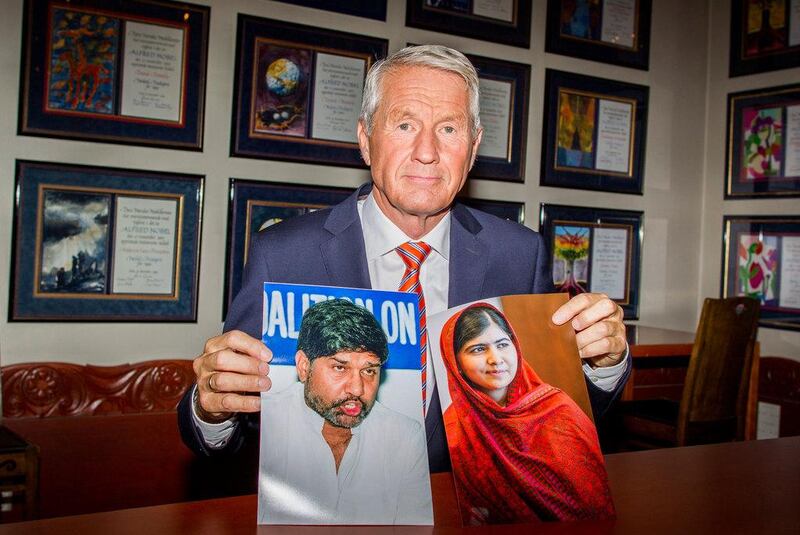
x,y
713,404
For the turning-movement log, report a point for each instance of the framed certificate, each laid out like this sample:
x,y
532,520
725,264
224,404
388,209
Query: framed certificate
x,y
761,260
104,244
765,36
513,211
499,21
371,9
129,72
256,205
763,143
611,31
595,250
298,91
594,133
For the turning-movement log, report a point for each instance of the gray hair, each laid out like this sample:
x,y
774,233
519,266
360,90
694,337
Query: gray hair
x,y
433,56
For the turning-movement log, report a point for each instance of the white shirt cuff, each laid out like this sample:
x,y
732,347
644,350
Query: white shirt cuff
x,y
608,378
216,436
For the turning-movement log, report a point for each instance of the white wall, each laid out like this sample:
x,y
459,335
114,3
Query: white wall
x,y
774,342
676,190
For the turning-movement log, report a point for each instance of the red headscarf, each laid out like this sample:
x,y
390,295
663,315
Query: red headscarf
x,y
536,458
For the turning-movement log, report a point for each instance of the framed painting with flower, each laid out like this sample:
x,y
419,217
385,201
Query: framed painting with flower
x,y
763,143
117,71
595,250
765,36
761,260
298,90
593,134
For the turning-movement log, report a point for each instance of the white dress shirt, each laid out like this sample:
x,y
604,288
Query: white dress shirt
x,y
382,478
386,268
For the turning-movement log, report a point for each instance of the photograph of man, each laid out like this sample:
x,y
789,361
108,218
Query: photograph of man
x,y
330,452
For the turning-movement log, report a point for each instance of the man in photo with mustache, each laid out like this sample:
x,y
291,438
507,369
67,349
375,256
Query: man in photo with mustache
x,y
333,454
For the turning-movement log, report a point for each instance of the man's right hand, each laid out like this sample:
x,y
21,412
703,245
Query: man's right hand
x,y
231,365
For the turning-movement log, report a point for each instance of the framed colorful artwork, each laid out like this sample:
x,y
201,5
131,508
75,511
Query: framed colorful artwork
x,y
131,72
500,21
298,91
104,244
765,36
763,143
256,205
371,9
595,250
610,31
594,133
761,260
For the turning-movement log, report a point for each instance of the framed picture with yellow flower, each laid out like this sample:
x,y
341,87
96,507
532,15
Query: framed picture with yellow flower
x,y
761,260
595,250
594,133
763,148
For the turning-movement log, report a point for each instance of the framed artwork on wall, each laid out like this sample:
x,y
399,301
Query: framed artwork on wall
x,y
131,72
610,31
761,260
595,250
594,133
500,21
256,205
297,93
513,211
104,244
371,9
765,36
763,143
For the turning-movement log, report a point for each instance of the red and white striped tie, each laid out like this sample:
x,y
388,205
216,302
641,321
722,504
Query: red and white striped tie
x,y
413,255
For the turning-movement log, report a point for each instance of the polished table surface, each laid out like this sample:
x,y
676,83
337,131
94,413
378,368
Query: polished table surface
x,y
744,487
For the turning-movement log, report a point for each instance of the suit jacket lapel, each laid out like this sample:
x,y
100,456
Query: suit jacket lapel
x,y
346,244
469,258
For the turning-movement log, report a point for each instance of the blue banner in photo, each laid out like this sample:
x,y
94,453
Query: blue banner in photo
x,y
396,312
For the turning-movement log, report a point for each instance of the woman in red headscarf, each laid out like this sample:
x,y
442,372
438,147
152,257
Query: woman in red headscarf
x,y
521,449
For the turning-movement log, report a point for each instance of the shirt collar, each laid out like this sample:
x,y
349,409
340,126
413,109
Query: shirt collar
x,y
384,236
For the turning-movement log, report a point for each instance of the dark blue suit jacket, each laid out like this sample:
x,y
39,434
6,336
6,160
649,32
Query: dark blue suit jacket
x,y
489,257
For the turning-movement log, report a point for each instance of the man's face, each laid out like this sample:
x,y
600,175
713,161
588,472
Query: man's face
x,y
340,388
421,147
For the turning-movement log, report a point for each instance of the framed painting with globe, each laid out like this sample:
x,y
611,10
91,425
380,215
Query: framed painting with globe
x,y
761,260
594,133
116,71
763,145
256,205
104,244
595,250
298,91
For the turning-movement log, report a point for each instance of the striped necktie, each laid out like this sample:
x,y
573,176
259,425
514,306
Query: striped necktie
x,y
413,255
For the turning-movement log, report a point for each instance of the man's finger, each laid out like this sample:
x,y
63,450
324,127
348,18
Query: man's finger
x,y
236,382
601,309
598,331
230,361
573,307
611,345
216,403
241,343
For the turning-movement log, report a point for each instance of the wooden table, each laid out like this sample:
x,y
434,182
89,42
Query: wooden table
x,y
660,361
743,487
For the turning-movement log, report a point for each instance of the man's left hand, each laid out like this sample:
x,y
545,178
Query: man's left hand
x,y
597,321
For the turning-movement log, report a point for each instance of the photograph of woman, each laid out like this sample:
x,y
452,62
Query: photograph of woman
x,y
521,449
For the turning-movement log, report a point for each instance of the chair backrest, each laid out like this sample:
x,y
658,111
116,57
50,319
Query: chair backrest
x,y
715,393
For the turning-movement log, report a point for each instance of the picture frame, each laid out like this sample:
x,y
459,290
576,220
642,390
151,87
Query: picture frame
x,y
96,244
505,89
593,133
298,90
762,149
765,36
599,247
761,260
608,31
253,206
513,211
370,9
507,22
128,72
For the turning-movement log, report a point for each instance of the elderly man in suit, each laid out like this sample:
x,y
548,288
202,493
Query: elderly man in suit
x,y
419,132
